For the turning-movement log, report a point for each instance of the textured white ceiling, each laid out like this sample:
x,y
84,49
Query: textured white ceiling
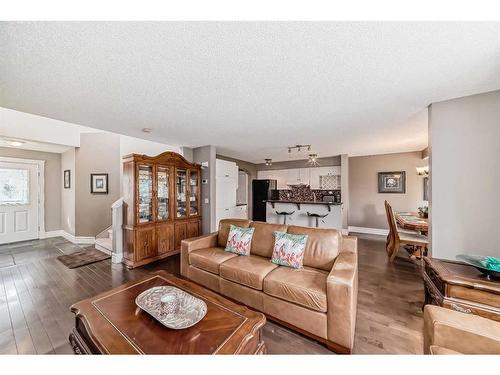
x,y
249,88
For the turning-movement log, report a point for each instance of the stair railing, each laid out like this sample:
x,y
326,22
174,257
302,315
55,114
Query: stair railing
x,y
117,227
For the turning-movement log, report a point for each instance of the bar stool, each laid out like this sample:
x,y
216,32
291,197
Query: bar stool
x,y
317,217
284,214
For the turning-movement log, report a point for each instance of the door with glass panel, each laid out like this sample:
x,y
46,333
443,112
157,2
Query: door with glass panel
x,y
19,196
194,193
181,193
162,193
145,202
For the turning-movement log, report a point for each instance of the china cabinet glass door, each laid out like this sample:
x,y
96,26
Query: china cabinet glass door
x,y
162,190
194,193
145,193
181,192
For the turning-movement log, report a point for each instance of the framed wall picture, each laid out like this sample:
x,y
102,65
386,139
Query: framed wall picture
x,y
99,183
392,182
67,179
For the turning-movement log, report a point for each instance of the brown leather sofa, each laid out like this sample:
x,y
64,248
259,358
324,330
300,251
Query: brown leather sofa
x,y
318,300
451,332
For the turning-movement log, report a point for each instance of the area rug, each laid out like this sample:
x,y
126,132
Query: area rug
x,y
82,258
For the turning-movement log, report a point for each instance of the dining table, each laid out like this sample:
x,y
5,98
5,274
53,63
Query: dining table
x,y
412,221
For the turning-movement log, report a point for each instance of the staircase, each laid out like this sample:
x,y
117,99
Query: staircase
x,y
105,244
108,242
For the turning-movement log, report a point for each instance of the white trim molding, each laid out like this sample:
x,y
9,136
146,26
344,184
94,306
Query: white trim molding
x,y
69,237
376,231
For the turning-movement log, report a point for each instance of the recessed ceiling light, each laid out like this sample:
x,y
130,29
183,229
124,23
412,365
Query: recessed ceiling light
x,y
147,130
15,142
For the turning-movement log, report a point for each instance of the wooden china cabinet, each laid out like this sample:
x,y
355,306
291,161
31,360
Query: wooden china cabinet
x,y
162,206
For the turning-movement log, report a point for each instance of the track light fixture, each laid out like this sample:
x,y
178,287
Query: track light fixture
x,y
299,148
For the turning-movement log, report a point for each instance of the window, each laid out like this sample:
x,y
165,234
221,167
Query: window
x,y
14,186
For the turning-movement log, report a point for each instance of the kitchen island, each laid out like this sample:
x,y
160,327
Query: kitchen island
x,y
333,210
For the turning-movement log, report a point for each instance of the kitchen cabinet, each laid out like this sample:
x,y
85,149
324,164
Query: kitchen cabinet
x,y
241,212
226,186
296,176
317,172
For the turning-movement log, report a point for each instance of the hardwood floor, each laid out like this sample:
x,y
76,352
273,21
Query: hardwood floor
x,y
36,291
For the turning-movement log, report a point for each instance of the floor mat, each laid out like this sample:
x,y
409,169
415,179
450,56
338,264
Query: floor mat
x,y
82,258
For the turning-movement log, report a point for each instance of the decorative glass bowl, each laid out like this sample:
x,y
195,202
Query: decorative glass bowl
x,y
172,307
490,266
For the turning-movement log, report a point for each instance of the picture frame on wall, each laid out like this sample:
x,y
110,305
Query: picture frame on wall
x,y
99,183
392,182
67,179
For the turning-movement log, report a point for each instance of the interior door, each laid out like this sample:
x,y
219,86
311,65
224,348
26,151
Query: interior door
x,y
19,195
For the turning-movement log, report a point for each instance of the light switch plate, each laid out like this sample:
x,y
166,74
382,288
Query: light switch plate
x,y
206,200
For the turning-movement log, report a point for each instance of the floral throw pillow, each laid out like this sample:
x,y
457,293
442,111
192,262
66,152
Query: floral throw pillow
x,y
289,249
239,240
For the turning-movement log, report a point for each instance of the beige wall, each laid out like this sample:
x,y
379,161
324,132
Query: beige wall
x,y
366,204
53,182
98,153
200,155
464,148
68,195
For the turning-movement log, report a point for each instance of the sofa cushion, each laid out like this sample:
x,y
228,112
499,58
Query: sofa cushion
x,y
209,259
249,271
224,225
322,247
439,350
289,249
263,238
239,240
305,287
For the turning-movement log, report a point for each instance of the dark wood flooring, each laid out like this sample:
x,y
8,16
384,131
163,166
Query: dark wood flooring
x,y
36,291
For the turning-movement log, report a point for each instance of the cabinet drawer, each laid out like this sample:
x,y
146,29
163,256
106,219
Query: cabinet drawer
x,y
145,246
165,238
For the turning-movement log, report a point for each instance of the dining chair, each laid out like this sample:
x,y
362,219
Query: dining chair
x,y
396,237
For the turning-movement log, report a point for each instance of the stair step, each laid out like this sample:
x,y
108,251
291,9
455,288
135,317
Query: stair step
x,y
104,243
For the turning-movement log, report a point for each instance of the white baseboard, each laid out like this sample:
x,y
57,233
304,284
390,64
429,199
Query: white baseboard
x,y
68,236
380,232
51,234
102,248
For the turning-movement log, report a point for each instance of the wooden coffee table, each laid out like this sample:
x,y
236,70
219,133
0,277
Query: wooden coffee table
x,y
111,323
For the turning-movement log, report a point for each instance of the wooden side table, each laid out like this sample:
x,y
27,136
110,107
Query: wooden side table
x,y
460,287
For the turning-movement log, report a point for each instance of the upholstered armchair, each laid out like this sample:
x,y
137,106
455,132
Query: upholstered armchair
x,y
451,332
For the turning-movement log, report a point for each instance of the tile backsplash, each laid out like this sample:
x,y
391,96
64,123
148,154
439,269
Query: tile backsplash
x,y
304,193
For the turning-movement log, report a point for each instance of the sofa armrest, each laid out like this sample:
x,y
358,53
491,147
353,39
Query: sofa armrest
x,y
196,243
350,244
342,296
464,333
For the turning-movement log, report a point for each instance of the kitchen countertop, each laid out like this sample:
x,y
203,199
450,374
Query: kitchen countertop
x,y
305,202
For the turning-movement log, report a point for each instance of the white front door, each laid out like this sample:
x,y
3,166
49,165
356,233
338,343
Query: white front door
x,y
19,195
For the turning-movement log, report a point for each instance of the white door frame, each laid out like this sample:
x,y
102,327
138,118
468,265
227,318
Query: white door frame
x,y
41,187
